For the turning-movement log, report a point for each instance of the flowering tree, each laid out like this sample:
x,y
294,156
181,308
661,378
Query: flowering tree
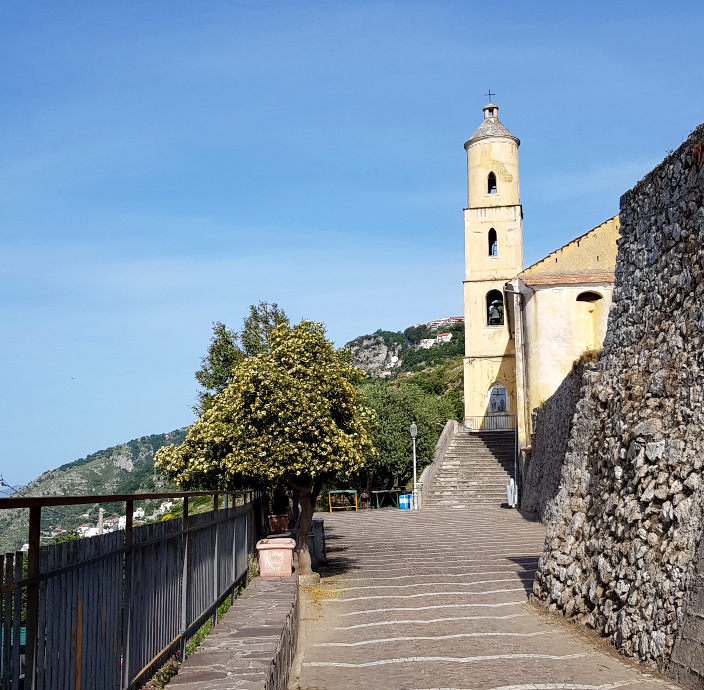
x,y
289,413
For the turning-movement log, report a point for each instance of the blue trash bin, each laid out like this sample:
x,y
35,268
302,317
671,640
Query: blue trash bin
x,y
404,501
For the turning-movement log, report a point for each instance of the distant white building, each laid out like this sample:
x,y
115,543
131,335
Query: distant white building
x,y
138,513
384,374
445,323
443,338
426,343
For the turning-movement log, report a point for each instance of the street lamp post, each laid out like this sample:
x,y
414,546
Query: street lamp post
x,y
414,433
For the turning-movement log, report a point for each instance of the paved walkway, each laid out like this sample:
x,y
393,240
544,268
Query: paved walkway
x,y
437,599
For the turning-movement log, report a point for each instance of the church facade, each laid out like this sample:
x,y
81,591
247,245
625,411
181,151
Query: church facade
x,y
523,328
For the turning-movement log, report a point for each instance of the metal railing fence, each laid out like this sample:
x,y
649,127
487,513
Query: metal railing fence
x,y
491,422
104,612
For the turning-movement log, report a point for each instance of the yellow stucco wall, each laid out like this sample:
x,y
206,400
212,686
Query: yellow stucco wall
x,y
558,329
500,156
480,374
593,252
507,222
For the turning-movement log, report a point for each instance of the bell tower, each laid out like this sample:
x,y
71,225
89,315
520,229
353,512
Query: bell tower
x,y
493,236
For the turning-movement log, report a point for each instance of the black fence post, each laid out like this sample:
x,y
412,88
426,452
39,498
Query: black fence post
x,y
127,594
32,621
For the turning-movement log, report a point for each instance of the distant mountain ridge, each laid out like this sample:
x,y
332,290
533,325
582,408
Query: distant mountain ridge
x,y
124,469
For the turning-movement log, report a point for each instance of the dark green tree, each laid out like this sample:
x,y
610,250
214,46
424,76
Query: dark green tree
x,y
229,348
397,405
415,334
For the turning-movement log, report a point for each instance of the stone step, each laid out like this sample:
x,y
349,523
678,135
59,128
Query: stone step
x,y
476,479
471,452
472,471
466,497
475,469
480,491
465,504
461,459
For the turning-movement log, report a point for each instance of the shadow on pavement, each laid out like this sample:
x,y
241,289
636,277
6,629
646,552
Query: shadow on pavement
x,y
527,565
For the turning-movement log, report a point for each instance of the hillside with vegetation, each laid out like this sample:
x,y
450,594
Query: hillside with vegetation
x,y
400,352
124,469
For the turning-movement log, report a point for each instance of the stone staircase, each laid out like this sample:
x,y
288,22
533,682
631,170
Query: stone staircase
x,y
475,469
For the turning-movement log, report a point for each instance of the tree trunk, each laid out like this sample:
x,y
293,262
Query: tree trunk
x,y
296,509
370,479
303,486
305,521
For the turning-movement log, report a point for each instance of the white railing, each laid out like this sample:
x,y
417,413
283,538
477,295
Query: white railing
x,y
491,422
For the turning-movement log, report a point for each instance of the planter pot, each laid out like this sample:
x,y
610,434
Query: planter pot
x,y
276,557
278,524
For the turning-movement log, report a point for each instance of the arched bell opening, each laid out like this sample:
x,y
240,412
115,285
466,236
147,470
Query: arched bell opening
x,y
494,308
491,183
493,243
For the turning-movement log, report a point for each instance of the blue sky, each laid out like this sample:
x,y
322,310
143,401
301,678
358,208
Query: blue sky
x,y
164,164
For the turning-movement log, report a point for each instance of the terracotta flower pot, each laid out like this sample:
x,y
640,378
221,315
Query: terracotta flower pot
x,y
278,524
276,557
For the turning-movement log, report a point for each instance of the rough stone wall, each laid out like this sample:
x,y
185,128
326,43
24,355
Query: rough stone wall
x,y
624,529
687,661
552,423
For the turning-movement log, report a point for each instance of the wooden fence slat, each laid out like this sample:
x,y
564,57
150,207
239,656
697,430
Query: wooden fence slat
x,y
17,621
41,636
4,648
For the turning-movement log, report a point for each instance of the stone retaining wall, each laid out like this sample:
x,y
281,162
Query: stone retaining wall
x,y
253,645
552,426
621,550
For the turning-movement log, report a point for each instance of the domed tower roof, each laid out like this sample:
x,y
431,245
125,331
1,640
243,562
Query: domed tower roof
x,y
491,127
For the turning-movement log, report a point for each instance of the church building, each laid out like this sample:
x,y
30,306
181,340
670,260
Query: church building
x,y
523,328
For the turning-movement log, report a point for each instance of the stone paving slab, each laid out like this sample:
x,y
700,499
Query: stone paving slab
x,y
435,600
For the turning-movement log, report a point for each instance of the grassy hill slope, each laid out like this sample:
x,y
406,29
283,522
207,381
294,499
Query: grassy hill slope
x,y
123,469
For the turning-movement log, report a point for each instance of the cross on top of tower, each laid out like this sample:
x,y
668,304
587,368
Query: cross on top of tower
x,y
490,95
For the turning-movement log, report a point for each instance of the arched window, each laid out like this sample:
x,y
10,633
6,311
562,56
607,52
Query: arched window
x,y
495,308
589,297
498,400
493,244
492,183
